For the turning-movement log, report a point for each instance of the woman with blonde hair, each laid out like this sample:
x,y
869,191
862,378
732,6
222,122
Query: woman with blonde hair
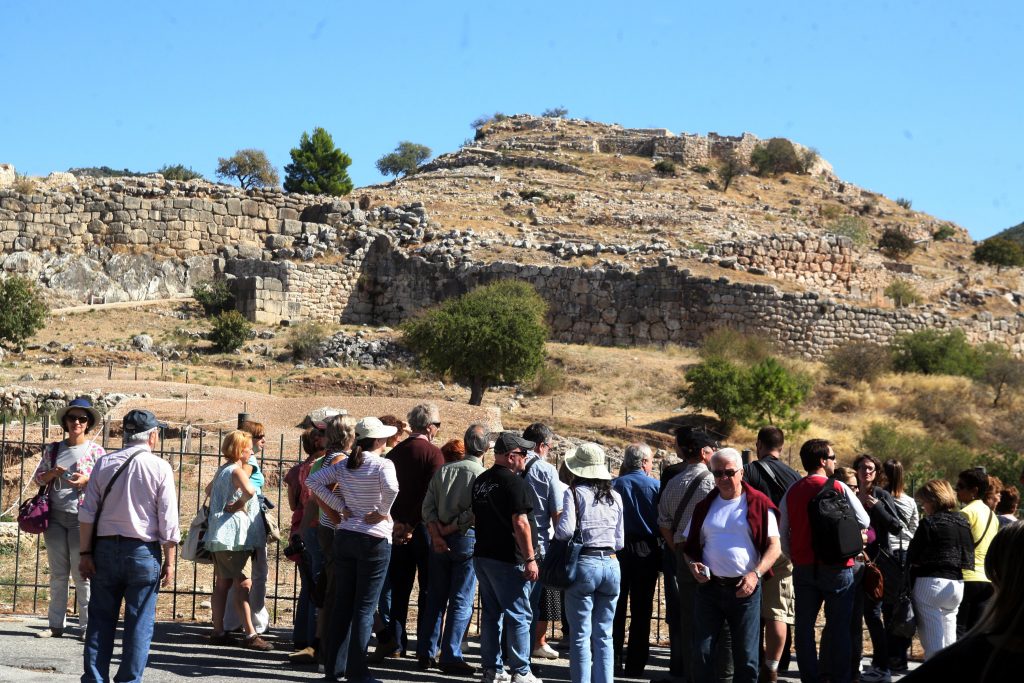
x,y
236,530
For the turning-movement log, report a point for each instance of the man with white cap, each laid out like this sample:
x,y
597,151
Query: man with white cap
x,y
505,561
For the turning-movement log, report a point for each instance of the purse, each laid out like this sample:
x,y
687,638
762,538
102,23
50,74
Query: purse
x,y
559,568
193,548
873,582
34,513
270,525
904,621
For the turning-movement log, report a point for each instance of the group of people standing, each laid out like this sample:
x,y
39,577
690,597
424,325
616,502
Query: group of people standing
x,y
750,552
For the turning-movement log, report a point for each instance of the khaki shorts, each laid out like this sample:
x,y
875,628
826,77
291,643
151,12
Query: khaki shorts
x,y
230,564
778,602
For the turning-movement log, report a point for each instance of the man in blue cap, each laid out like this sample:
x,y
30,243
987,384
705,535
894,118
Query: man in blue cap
x,y
129,513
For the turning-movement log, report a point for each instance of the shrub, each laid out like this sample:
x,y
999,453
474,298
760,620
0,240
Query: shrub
x,y
733,345
550,379
831,211
103,172
702,169
22,309
24,184
931,352
925,457
731,168
775,157
896,244
717,384
854,227
305,339
555,113
479,122
999,252
250,167
902,293
808,158
1000,371
406,158
527,195
858,362
318,167
230,331
943,233
665,167
904,203
214,296
178,172
494,333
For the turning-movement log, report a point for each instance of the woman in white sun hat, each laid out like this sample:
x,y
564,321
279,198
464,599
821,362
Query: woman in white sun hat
x,y
590,601
366,488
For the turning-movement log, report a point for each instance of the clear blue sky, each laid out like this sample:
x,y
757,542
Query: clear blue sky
x,y
913,99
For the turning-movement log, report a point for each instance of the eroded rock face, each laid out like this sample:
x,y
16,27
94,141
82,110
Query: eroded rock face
x,y
7,175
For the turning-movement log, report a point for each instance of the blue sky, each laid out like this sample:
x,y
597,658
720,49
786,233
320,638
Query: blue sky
x,y
921,100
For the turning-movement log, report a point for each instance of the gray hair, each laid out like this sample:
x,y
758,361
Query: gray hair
x,y
728,454
634,456
340,432
422,416
139,437
477,439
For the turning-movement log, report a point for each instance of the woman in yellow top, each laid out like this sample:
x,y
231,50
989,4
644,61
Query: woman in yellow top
x,y
971,487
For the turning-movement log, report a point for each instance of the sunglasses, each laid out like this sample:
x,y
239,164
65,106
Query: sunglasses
x,y
830,457
81,419
723,474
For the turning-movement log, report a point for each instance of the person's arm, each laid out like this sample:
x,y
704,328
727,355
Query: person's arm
x,y
885,513
862,515
44,473
555,502
429,513
320,485
241,480
620,524
294,488
665,515
524,539
167,514
784,525
748,582
918,543
566,524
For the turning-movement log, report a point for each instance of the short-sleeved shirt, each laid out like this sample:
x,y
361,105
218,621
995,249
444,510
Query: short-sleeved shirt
x,y
498,494
728,543
979,516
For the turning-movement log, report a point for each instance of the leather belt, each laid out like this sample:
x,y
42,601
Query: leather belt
x,y
117,537
726,581
598,552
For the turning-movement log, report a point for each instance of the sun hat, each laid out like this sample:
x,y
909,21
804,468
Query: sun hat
x,y
589,462
82,403
373,428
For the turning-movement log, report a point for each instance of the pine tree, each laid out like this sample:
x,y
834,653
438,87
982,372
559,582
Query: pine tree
x,y
318,167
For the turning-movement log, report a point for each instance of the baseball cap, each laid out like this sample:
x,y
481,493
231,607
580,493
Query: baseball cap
x,y
136,421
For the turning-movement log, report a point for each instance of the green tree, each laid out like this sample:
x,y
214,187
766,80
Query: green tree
x,y
775,157
665,167
178,172
494,333
214,296
250,167
1000,371
318,167
719,385
773,395
931,352
406,158
999,252
902,293
555,113
731,168
896,244
22,309
230,331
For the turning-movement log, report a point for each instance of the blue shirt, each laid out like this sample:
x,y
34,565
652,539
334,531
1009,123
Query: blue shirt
x,y
543,482
639,502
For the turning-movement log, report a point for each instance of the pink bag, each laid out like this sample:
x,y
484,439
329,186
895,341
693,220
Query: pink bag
x,y
34,513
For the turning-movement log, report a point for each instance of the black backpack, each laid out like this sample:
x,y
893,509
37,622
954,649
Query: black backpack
x,y
835,531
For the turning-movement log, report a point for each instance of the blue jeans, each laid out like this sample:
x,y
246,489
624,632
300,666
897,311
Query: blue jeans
x,y
504,602
715,605
304,630
126,571
452,583
834,587
590,607
360,564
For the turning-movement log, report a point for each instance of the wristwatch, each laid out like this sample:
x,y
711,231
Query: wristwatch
x,y
757,573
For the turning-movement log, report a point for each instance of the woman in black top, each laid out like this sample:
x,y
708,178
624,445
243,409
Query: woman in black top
x,y
939,552
994,649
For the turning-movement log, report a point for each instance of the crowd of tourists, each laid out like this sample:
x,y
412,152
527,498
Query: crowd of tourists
x,y
748,550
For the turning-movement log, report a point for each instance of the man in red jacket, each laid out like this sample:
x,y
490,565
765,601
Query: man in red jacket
x,y
732,541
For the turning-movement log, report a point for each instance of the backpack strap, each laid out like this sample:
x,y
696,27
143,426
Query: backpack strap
x,y
106,492
690,491
985,532
770,472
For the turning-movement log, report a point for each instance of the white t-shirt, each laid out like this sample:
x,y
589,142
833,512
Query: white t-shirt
x,y
728,545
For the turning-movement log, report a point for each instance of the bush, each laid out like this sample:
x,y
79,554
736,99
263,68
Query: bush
x,y
22,309
250,167
808,158
943,233
178,172
665,167
775,157
214,296
318,167
702,169
733,345
555,113
717,384
731,168
230,331
896,244
527,195
550,379
494,333
999,252
854,227
1000,371
904,203
902,293
924,457
305,339
104,172
24,184
931,352
406,158
858,362
479,122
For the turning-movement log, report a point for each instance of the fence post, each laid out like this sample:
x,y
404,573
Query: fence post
x,y
270,386
106,432
46,427
242,419
110,369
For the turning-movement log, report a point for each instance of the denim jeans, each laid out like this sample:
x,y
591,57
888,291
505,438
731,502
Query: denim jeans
x,y
504,603
714,606
407,561
129,572
452,584
62,555
360,564
687,609
304,629
834,587
590,607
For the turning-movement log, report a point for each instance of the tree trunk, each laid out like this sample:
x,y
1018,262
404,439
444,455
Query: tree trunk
x,y
476,395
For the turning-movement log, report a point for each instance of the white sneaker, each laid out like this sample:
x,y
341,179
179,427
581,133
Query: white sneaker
x,y
495,676
545,651
873,675
525,678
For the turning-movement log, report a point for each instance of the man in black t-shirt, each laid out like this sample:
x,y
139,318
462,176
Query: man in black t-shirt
x,y
504,560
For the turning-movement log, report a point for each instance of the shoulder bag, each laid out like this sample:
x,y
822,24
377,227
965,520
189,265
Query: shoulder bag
x,y
34,513
193,548
106,492
687,496
559,568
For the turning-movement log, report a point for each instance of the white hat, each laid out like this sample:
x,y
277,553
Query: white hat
x,y
372,428
588,462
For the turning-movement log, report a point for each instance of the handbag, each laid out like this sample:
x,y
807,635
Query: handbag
x,y
904,621
559,568
873,582
894,571
193,548
34,513
270,525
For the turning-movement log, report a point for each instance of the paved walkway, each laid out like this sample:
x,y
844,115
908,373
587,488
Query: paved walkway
x,y
180,653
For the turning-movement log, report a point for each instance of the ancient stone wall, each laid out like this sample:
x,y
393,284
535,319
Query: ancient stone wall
x,y
823,262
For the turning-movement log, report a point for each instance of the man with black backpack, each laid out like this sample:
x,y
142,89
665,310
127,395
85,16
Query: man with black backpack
x,y
772,477
821,532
